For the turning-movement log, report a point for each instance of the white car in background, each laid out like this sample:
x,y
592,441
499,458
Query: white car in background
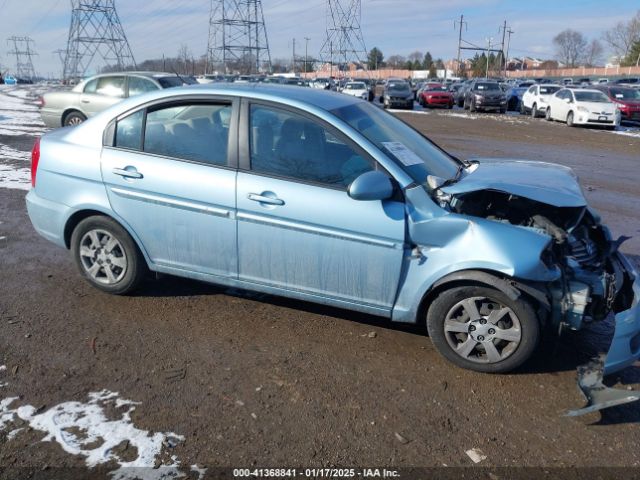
x,y
356,89
536,98
583,107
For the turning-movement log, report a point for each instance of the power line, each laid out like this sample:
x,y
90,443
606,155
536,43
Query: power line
x,y
23,52
238,37
343,40
95,31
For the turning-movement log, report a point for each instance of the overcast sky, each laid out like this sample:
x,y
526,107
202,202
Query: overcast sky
x,y
400,27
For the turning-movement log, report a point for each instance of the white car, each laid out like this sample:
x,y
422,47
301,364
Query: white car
x,y
356,89
583,107
536,99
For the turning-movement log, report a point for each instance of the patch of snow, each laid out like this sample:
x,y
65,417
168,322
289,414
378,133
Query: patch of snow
x,y
415,112
3,368
13,433
476,455
12,154
83,429
3,384
201,471
512,119
629,132
16,178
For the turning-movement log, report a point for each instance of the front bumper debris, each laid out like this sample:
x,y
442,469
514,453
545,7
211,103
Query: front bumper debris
x,y
623,352
598,395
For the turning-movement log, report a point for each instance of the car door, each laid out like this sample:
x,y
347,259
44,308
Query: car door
x,y
559,105
102,92
169,170
298,229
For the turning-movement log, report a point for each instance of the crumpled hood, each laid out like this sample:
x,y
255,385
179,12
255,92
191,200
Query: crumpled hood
x,y
543,182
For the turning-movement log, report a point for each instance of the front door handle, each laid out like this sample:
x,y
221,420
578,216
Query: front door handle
x,y
264,199
127,172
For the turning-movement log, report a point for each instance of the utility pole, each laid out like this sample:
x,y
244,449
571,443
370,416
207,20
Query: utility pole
x,y
294,56
509,32
502,59
489,40
306,54
462,22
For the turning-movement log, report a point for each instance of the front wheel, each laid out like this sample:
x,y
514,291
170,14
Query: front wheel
x,y
547,114
107,256
570,120
534,110
482,329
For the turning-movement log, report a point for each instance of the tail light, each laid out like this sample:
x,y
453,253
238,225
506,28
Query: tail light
x,y
35,159
40,102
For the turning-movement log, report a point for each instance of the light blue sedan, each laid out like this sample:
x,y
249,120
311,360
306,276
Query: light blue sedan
x,y
324,197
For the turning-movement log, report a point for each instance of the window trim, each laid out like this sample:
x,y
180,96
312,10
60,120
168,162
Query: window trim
x,y
244,152
109,135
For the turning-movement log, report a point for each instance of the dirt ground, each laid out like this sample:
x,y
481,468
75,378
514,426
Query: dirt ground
x,y
253,380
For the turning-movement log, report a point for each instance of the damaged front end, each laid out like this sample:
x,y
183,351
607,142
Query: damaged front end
x,y
595,278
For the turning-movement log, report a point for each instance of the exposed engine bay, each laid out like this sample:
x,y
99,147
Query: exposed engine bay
x,y
592,282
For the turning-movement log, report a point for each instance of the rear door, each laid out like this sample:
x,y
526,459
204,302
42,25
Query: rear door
x,y
298,229
102,92
170,174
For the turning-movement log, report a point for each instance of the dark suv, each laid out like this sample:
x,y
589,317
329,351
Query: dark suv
x,y
397,93
485,95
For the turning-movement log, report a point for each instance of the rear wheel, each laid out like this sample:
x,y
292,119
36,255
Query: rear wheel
x,y
73,118
482,329
107,256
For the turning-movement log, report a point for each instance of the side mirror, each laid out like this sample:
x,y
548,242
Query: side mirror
x,y
371,186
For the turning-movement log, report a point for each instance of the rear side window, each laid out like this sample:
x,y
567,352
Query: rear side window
x,y
138,86
196,132
129,131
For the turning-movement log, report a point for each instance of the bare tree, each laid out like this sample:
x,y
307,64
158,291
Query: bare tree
x,y
571,47
593,53
396,61
623,35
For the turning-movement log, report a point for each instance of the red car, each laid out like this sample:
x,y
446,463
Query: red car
x,y
435,95
626,99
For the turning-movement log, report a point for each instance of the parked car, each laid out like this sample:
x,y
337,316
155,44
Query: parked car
x,y
95,94
10,80
397,94
462,93
536,99
485,95
435,95
356,89
266,188
602,80
567,81
633,82
583,107
584,82
514,98
370,86
626,99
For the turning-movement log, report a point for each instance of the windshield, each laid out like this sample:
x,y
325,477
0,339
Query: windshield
x,y
625,94
486,86
398,87
548,90
355,86
412,151
591,97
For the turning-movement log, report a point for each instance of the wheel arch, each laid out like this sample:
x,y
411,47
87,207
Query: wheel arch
x,y
78,216
511,287
68,111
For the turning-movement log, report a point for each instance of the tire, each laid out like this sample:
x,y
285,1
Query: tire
x,y
514,333
119,270
547,115
472,107
534,110
570,120
73,118
503,110
523,109
450,106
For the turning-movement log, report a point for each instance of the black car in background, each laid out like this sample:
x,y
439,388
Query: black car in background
x,y
485,95
397,93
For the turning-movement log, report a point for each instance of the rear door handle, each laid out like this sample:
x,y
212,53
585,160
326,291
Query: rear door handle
x,y
127,172
268,200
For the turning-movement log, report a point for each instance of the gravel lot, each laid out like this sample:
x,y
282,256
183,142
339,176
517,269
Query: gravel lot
x,y
225,378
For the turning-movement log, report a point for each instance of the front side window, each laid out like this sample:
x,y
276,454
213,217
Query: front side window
x,y
91,86
111,86
196,132
288,145
138,86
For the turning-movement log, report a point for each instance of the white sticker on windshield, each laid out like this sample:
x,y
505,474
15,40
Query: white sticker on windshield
x,y
619,95
402,153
